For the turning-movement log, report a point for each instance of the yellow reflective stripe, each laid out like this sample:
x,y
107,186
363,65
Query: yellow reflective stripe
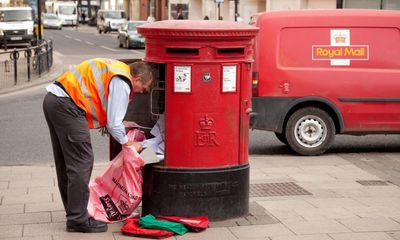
x,y
97,73
85,91
78,77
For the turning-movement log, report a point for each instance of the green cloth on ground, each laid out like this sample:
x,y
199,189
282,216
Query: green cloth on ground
x,y
149,221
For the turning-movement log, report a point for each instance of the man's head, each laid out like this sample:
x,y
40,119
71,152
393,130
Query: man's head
x,y
142,74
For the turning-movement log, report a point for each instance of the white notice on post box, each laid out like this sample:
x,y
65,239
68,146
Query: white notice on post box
x,y
229,79
182,79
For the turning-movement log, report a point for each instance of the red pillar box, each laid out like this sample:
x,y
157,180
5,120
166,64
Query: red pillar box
x,y
207,106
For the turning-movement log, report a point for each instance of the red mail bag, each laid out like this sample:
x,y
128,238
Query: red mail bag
x,y
116,193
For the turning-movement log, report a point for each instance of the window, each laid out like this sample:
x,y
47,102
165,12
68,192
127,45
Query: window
x,y
372,4
368,4
391,4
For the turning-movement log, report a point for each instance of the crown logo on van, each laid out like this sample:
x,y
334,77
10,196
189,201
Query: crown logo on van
x,y
340,38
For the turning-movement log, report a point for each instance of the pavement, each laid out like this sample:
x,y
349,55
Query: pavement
x,y
291,198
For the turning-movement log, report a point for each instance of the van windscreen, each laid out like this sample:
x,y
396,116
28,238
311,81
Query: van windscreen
x,y
114,14
15,15
67,10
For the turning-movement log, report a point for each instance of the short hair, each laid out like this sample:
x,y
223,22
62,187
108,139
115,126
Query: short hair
x,y
142,69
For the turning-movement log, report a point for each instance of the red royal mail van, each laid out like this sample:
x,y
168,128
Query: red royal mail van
x,y
321,73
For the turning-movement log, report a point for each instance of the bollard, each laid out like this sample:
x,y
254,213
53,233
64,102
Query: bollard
x,y
5,41
51,53
28,54
14,55
47,56
37,56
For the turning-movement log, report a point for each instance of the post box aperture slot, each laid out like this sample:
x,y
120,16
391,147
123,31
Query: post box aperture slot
x,y
230,52
182,52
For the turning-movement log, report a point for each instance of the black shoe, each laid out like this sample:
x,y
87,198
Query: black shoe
x,y
90,226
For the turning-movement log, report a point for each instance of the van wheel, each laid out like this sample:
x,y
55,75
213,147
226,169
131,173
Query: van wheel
x,y
281,137
310,131
99,31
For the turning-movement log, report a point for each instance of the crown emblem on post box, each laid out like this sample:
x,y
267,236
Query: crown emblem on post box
x,y
206,123
340,38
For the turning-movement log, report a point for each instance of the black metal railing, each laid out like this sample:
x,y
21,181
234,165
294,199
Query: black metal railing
x,y
23,65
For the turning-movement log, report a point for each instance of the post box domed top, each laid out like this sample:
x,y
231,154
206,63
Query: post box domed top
x,y
197,29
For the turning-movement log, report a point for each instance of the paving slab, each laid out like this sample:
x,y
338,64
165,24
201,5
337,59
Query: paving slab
x,y
334,202
58,216
27,198
285,204
378,201
11,231
24,218
370,224
288,215
282,170
325,213
316,227
260,231
49,189
394,235
29,238
376,211
84,236
361,236
9,192
32,183
11,209
44,207
211,233
308,177
44,229
4,184
303,237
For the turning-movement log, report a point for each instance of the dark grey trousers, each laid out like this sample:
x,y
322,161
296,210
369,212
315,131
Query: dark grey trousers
x,y
73,154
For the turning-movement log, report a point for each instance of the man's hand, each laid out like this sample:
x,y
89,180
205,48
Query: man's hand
x,y
137,145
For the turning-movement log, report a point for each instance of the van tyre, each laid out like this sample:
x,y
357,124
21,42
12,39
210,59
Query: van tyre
x,y
310,131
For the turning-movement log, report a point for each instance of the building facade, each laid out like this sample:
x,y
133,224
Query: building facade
x,y
230,10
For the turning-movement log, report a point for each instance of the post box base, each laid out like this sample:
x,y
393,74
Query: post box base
x,y
219,193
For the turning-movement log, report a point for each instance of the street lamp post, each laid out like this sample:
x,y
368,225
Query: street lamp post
x,y
219,10
236,9
39,29
219,7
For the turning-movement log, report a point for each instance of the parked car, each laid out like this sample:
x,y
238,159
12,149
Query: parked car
x,y
110,20
51,20
129,37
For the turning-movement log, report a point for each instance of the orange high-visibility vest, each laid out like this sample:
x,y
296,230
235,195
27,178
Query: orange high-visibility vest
x,y
88,83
